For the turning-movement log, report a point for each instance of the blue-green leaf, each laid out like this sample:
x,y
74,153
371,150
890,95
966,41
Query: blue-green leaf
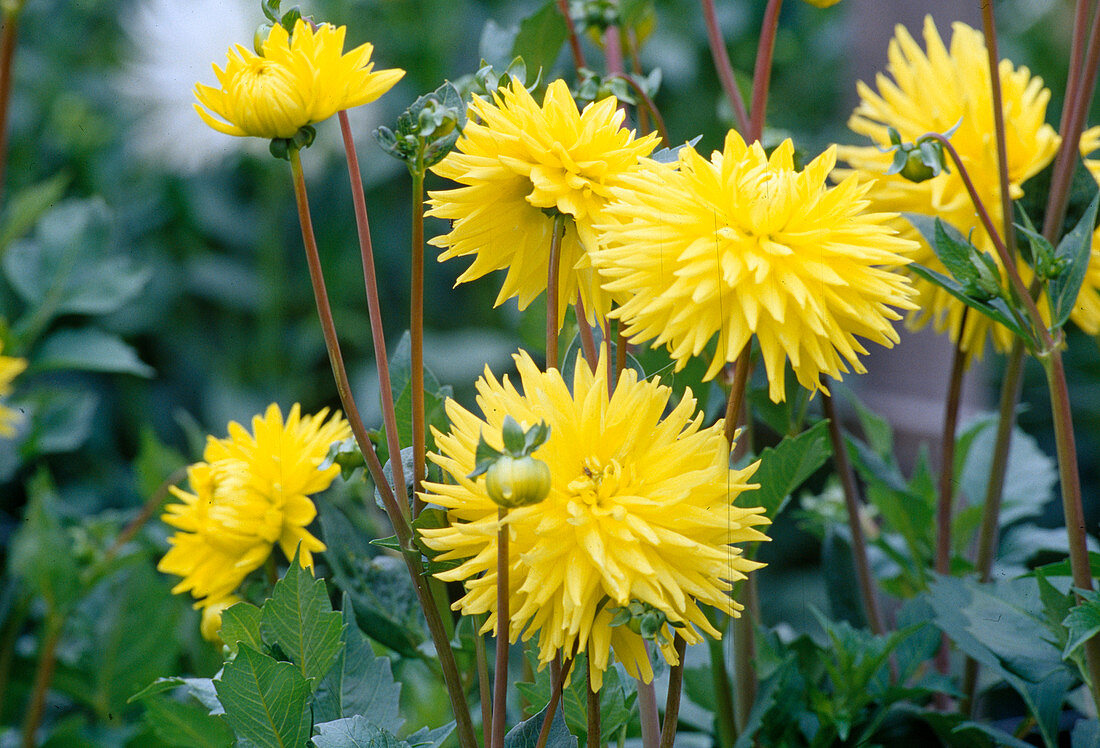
x,y
266,702
526,733
1076,250
1083,621
88,349
786,466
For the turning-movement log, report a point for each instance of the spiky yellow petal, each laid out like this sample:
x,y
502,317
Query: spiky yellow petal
x,y
641,508
10,368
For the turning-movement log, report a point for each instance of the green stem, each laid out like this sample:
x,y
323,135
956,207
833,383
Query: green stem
x,y
397,518
592,724
722,65
47,660
736,402
990,27
1080,86
17,615
7,53
647,714
1071,498
378,336
416,339
672,703
761,75
574,41
723,694
855,525
744,642
558,674
552,281
500,673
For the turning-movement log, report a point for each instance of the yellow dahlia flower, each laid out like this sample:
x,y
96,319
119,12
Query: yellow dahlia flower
x,y
641,508
931,92
300,79
519,163
10,368
744,245
250,492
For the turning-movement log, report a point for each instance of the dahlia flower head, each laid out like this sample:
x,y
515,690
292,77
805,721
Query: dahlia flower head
x,y
932,90
641,508
10,368
300,79
744,245
250,492
519,165
1086,311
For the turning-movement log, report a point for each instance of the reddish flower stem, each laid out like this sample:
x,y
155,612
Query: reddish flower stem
x,y
761,75
558,674
553,280
584,330
416,340
672,703
574,42
993,56
592,723
7,54
722,65
500,677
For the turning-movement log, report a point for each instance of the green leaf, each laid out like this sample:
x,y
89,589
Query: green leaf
x,y
1083,621
200,689
425,738
42,552
27,205
876,430
185,724
358,682
540,38
1075,250
617,700
88,349
299,618
526,733
355,732
950,246
1086,734
786,466
265,701
995,310
62,421
69,266
241,624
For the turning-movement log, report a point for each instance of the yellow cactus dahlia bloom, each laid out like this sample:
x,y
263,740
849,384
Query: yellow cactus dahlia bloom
x,y
640,510
519,164
298,80
744,245
250,492
931,91
10,368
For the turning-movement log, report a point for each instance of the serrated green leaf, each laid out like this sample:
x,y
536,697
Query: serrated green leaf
x,y
1075,249
996,312
949,245
786,466
186,725
299,618
355,732
241,624
266,702
425,738
358,682
540,38
1083,621
526,733
88,349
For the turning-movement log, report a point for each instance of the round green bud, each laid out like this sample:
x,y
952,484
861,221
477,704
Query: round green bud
x,y
915,170
513,482
260,36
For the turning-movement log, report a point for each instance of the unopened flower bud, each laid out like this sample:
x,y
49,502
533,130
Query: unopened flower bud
x,y
262,32
514,482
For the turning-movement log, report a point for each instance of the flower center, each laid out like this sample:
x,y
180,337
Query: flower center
x,y
596,487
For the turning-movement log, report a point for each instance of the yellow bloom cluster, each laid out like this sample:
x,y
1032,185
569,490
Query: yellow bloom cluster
x,y
743,245
10,368
932,91
298,80
641,508
520,164
250,492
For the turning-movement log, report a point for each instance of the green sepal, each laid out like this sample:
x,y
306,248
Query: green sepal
x,y
513,436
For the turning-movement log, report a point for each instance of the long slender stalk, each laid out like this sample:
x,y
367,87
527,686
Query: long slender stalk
x,y
483,687
145,515
592,723
500,669
370,281
1080,86
558,674
398,519
574,41
736,402
636,66
613,46
552,281
946,486
647,713
416,338
990,27
855,526
584,330
722,65
651,107
672,703
744,643
1071,498
7,54
43,675
761,75
725,710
